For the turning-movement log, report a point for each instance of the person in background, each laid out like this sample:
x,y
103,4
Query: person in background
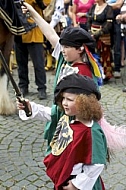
x,y
31,44
121,18
100,22
80,12
123,31
59,10
55,20
68,11
81,142
116,5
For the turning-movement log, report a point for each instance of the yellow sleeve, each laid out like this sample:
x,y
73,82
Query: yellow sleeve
x,y
46,2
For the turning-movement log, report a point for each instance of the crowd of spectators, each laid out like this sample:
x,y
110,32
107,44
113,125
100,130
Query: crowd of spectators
x,y
105,20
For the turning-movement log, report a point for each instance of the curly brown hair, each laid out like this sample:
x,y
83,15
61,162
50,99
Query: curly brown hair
x,y
88,108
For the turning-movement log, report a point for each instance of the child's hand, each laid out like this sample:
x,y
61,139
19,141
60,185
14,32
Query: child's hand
x,y
24,104
70,186
24,8
27,8
21,106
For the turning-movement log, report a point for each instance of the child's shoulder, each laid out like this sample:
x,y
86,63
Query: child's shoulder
x,y
84,69
96,127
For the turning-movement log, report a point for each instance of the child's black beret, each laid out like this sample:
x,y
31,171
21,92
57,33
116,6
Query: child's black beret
x,y
77,84
76,37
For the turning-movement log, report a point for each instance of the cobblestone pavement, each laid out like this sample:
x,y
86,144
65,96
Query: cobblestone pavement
x,y
22,146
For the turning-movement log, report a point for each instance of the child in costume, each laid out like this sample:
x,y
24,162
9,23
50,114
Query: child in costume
x,y
79,148
74,50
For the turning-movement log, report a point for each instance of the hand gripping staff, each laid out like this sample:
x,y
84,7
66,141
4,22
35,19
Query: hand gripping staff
x,y
17,91
21,2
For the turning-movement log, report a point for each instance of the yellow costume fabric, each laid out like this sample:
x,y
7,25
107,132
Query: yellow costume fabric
x,y
35,35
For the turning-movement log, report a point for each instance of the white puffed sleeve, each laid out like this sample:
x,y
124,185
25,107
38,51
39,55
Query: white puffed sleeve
x,y
38,112
85,180
57,50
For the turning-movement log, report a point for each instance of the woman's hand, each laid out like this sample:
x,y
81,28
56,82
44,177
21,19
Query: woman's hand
x,y
70,186
118,18
121,18
76,25
81,15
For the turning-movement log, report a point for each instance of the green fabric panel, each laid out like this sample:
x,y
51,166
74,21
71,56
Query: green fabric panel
x,y
95,80
50,126
98,185
99,145
60,63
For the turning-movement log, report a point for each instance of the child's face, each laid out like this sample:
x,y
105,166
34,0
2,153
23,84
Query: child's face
x,y
69,103
71,54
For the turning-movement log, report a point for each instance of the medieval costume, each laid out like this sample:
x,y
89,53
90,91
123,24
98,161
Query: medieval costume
x,y
100,26
72,37
116,136
79,151
79,155
41,112
88,68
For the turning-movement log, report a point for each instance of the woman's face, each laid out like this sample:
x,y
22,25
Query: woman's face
x,y
71,54
69,103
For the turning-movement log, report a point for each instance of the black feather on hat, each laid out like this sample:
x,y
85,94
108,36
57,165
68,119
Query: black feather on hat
x,y
77,84
76,37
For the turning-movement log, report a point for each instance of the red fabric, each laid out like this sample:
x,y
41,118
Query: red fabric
x,y
103,187
79,150
105,58
83,69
